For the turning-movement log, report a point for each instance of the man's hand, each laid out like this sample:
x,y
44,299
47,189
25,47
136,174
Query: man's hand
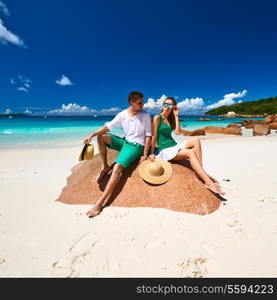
x,y
143,158
87,139
151,157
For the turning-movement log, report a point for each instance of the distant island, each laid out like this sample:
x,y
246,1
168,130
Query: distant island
x,y
264,107
13,115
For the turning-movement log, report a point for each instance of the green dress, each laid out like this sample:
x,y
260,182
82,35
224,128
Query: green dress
x,y
164,138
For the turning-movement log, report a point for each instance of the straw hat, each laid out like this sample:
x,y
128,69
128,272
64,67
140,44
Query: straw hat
x,y
87,152
156,172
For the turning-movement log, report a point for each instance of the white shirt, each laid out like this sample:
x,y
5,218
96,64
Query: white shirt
x,y
136,127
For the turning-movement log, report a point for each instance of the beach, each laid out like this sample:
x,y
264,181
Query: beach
x,y
40,237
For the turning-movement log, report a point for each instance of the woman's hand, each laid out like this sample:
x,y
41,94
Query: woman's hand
x,y
87,139
176,110
143,158
151,157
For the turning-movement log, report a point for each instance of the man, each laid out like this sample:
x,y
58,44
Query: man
x,y
136,125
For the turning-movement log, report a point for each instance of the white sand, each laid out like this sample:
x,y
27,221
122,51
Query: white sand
x,y
43,238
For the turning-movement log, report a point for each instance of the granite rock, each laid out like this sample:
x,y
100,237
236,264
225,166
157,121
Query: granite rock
x,y
184,191
260,129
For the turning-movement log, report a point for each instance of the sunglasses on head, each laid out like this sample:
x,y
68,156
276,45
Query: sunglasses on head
x,y
168,105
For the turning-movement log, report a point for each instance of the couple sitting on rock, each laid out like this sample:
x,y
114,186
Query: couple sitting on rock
x,y
142,136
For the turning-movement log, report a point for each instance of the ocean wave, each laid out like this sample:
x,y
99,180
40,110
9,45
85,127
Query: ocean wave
x,y
6,132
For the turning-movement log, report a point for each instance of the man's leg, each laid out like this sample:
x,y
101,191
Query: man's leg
x,y
103,141
128,154
113,181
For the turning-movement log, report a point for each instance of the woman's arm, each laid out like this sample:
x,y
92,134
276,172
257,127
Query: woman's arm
x,y
177,121
155,125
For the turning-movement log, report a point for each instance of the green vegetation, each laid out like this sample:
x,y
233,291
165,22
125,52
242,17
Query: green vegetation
x,y
13,115
263,106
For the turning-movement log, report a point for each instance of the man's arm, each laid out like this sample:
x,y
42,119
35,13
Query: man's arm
x,y
147,146
101,130
116,121
148,133
146,149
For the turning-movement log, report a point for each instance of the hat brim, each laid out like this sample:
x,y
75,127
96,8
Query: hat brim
x,y
144,174
87,152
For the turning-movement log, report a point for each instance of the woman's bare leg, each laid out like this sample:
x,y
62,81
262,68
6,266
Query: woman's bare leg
x,y
195,144
191,156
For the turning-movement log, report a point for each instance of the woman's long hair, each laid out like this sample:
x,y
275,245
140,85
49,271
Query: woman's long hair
x,y
171,118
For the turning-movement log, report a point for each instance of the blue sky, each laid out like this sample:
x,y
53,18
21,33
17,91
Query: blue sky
x,y
69,57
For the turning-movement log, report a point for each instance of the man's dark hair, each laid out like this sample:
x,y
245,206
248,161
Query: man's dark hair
x,y
134,95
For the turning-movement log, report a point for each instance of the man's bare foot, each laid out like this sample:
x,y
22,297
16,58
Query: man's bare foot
x,y
214,188
95,210
102,173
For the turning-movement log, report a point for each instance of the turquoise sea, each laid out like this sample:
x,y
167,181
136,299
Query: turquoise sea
x,y
37,132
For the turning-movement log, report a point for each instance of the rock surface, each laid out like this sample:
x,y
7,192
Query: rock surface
x,y
222,130
199,131
260,129
252,116
273,125
203,119
233,126
232,130
182,192
250,126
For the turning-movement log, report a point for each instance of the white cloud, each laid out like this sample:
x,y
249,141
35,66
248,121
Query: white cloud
x,y
7,36
24,79
228,99
150,104
37,108
4,8
22,89
23,83
72,109
8,111
112,109
188,106
27,111
153,106
64,81
191,106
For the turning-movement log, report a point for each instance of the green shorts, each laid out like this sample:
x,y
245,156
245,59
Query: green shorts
x,y
128,152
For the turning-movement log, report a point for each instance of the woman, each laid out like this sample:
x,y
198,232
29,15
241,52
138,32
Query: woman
x,y
168,149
